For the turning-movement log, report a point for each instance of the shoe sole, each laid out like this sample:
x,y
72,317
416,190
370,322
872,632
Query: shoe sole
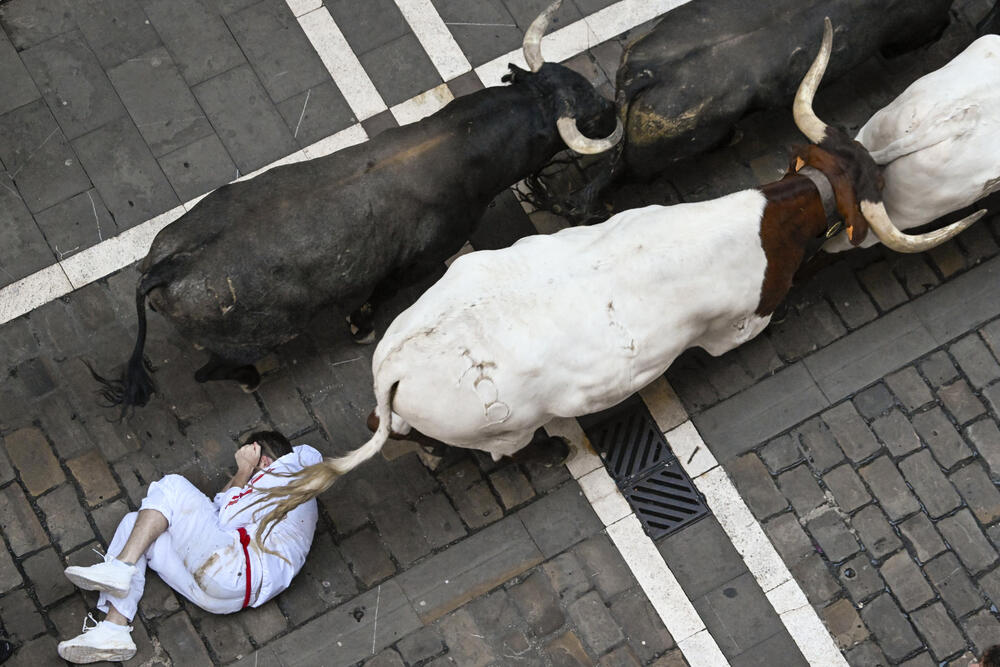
x,y
82,655
85,583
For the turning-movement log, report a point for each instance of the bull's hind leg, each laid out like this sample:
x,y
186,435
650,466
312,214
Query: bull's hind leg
x,y
362,323
218,368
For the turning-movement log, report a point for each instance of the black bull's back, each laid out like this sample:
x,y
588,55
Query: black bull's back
x,y
682,86
247,268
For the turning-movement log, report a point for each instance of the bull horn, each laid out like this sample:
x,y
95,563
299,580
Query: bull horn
x,y
805,118
532,46
583,144
889,234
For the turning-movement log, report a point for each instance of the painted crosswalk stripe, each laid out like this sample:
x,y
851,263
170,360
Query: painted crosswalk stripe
x,y
434,36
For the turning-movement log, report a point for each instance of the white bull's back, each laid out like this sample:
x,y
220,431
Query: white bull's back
x,y
571,323
939,140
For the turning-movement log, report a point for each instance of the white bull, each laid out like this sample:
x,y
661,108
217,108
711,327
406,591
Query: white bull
x,y
939,140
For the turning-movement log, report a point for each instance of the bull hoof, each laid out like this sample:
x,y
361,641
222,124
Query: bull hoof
x,y
557,451
361,337
249,389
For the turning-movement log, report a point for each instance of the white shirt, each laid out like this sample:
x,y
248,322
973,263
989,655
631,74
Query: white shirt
x,y
291,538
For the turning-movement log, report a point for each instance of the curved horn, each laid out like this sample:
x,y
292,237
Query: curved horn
x,y
532,46
585,145
894,239
802,111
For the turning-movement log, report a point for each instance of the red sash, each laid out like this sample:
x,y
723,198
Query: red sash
x,y
245,541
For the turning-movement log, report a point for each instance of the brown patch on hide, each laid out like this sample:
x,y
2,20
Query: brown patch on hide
x,y
843,185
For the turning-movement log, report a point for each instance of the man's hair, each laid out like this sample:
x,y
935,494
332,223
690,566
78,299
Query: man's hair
x,y
271,443
991,657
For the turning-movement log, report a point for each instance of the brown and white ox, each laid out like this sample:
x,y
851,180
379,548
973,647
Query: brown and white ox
x,y
574,322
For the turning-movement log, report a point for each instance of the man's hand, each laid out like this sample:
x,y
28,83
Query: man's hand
x,y
247,457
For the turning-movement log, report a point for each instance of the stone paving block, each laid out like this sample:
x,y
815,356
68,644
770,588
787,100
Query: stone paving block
x,y
94,477
198,168
953,584
894,633
671,659
985,437
844,624
800,487
35,376
925,477
420,645
511,485
896,432
873,401
759,357
399,528
948,258
990,583
702,557
755,486
847,488
247,123
159,101
851,432
324,581
889,488
226,640
483,30
316,113
465,641
738,424
851,302
920,534
979,492
941,437
440,523
909,388
737,614
860,578
915,274
125,173
20,616
471,495
560,520
197,38
539,604
9,575
960,401
279,51
823,323
158,599
965,537
642,626
65,518
991,334
32,456
780,453
107,518
594,623
19,523
832,535
938,369
115,29
792,337
181,642
387,658
15,81
962,304
400,70
368,559
473,566
983,629
73,83
869,353
23,249
727,376
905,580
978,245
975,361
877,278
818,444
29,22
875,531
623,656
369,26
45,571
77,223
263,623
604,566
19,342
788,538
38,159
866,654
820,585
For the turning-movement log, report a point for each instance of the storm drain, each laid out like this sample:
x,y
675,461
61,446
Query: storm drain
x,y
640,461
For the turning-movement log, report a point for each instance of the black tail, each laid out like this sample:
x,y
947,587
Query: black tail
x,y
135,386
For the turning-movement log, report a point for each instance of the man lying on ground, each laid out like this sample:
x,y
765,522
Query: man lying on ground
x,y
201,548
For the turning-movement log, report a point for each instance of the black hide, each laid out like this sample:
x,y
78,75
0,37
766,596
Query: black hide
x,y
682,86
247,268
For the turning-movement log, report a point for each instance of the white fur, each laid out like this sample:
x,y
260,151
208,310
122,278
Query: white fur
x,y
573,322
940,140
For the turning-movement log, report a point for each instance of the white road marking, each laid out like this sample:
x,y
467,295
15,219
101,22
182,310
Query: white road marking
x,y
662,589
33,291
435,37
300,7
344,67
422,105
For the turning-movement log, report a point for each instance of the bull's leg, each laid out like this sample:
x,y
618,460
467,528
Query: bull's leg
x,y
218,368
362,322
429,444
544,449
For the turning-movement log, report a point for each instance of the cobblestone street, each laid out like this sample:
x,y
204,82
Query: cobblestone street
x,y
860,432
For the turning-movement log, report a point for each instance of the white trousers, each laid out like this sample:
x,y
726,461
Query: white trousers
x,y
195,556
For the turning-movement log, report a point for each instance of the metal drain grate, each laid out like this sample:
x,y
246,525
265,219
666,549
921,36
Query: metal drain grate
x,y
639,459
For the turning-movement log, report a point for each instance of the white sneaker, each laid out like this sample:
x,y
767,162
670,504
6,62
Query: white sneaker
x,y
113,576
102,641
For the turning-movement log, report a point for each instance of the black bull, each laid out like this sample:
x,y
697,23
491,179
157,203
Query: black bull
x,y
682,86
249,266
